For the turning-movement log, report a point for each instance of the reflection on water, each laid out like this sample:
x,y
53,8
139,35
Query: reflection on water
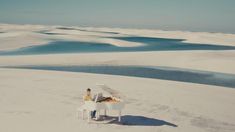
x,y
173,44
165,73
150,44
61,47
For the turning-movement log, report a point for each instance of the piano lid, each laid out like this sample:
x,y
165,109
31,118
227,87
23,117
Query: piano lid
x,y
112,92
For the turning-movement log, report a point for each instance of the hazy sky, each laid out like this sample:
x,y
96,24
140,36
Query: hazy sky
x,y
193,15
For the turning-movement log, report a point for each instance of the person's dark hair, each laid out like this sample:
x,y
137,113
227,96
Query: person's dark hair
x,y
88,90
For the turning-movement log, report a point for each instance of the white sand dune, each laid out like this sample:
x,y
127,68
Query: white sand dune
x,y
46,101
17,36
190,37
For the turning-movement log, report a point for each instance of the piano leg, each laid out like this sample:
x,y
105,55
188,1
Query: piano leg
x,y
105,113
83,114
97,116
119,115
88,116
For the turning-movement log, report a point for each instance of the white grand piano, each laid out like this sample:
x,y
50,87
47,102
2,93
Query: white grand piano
x,y
101,103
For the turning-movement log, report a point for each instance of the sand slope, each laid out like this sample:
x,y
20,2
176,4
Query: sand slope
x,y
216,61
45,101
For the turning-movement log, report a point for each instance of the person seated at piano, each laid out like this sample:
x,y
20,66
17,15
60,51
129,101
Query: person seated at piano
x,y
88,97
